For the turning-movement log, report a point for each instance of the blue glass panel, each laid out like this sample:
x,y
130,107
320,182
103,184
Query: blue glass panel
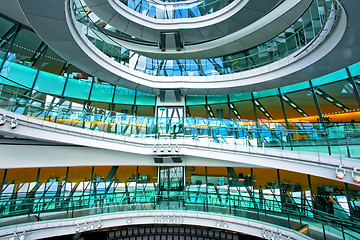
x,y
145,100
329,78
102,93
355,69
240,97
195,100
124,96
19,73
77,89
217,99
266,93
295,87
50,83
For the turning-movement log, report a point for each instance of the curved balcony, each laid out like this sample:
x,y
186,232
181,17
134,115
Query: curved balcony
x,y
136,203
203,68
203,27
175,10
186,136
244,37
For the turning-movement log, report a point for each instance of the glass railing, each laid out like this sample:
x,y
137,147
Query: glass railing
x,y
175,10
340,139
299,35
97,197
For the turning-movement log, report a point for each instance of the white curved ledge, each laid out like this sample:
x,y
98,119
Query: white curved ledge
x,y
316,50
252,35
60,227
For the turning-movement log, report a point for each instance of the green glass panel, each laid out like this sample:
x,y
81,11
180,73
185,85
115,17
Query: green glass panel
x,y
77,89
195,100
50,83
240,97
19,73
355,69
329,78
102,93
295,87
217,99
145,100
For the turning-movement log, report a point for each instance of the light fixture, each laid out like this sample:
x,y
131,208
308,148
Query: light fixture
x,y
22,235
356,175
264,234
2,120
340,172
13,123
13,237
77,229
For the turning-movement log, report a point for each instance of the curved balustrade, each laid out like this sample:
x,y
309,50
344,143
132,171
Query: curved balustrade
x,y
176,9
296,38
68,200
331,138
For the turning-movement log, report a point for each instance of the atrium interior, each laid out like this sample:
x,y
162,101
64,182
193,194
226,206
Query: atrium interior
x,y
179,119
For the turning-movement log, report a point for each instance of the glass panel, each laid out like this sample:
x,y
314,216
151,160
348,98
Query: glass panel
x,y
145,100
102,93
195,100
77,89
124,96
50,83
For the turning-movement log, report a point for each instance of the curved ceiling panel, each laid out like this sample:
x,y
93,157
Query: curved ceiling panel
x,y
67,42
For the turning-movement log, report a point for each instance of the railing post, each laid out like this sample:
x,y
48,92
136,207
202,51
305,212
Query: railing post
x,y
324,234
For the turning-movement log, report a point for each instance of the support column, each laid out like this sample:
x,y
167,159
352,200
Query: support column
x,y
281,190
229,107
88,102
353,83
320,115
111,109
3,181
316,102
43,54
348,197
259,139
11,44
289,137
311,191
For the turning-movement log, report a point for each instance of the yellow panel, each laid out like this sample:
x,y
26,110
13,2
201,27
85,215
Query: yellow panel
x,y
263,176
79,174
46,173
295,178
102,172
21,175
150,172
